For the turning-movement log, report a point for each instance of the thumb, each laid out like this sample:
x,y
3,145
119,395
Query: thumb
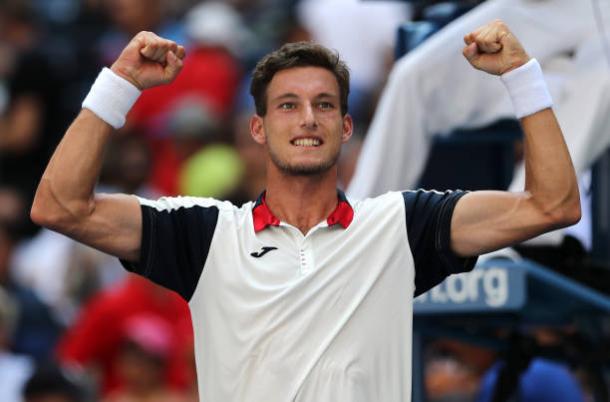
x,y
173,66
471,52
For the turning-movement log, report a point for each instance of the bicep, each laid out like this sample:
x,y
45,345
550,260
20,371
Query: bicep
x,y
484,221
114,226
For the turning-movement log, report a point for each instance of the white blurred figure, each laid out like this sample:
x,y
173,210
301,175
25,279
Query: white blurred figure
x,y
216,23
363,32
423,98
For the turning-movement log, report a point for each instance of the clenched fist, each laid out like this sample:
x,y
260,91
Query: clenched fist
x,y
149,60
494,49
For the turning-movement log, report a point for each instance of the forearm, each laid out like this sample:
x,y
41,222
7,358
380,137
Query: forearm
x,y
484,221
66,189
550,178
65,199
550,182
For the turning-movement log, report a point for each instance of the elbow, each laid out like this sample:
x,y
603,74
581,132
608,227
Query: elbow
x,y
38,212
569,216
575,214
47,211
566,214
44,212
41,215
571,211
558,211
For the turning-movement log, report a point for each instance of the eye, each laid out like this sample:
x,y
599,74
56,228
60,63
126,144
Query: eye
x,y
326,106
287,106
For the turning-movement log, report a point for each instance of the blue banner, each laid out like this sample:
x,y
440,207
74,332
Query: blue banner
x,y
489,287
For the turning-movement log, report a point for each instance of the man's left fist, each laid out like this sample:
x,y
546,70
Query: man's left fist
x,y
494,49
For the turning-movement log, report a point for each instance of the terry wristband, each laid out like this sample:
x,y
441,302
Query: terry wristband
x,y
111,97
527,89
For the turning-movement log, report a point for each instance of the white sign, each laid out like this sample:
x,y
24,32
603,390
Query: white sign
x,y
489,287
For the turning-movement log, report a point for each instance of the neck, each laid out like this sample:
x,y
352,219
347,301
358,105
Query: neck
x,y
301,201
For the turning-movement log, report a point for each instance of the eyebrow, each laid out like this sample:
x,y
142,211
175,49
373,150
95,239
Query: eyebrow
x,y
290,95
326,95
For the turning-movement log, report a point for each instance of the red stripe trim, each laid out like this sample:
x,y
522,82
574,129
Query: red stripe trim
x,y
262,216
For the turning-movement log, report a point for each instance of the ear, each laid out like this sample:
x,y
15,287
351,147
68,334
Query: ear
x,y
257,129
348,128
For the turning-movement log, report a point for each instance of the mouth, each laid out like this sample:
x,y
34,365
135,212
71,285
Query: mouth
x,y
307,142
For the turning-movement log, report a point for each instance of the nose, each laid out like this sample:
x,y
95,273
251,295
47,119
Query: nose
x,y
308,117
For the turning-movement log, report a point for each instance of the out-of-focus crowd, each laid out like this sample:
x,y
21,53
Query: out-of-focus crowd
x,y
73,324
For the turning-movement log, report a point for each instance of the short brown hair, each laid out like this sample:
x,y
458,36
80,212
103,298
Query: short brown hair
x,y
299,54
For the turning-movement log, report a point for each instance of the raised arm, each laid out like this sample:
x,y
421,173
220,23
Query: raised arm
x,y
65,200
484,221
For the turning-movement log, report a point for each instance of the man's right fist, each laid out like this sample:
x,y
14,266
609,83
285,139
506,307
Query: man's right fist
x,y
149,60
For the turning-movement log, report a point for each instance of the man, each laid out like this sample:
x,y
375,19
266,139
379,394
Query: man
x,y
303,295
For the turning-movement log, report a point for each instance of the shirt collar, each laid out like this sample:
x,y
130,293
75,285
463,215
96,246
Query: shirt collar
x,y
262,216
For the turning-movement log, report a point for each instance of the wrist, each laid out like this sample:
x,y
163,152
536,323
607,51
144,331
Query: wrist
x,y
515,64
121,72
527,89
111,97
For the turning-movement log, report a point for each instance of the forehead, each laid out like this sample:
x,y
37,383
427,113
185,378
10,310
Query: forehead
x,y
303,81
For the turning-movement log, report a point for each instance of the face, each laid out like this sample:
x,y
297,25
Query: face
x,y
133,16
139,369
303,128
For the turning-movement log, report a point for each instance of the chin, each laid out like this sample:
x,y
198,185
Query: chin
x,y
304,168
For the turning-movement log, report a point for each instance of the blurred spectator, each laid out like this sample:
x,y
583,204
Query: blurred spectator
x,y
34,117
142,361
462,372
191,125
64,273
255,170
209,79
36,329
128,17
210,73
449,380
127,166
95,339
433,90
543,381
454,370
271,22
14,369
364,34
217,23
49,383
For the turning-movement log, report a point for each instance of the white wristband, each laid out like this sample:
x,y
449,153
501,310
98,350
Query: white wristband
x,y
527,89
111,97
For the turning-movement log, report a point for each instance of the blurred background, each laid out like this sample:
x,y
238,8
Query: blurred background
x,y
530,323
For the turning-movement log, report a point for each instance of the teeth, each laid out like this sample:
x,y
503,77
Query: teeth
x,y
307,142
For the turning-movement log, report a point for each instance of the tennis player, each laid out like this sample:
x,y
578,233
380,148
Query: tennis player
x,y
304,294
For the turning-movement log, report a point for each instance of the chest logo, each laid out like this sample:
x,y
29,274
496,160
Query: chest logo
x,y
263,251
